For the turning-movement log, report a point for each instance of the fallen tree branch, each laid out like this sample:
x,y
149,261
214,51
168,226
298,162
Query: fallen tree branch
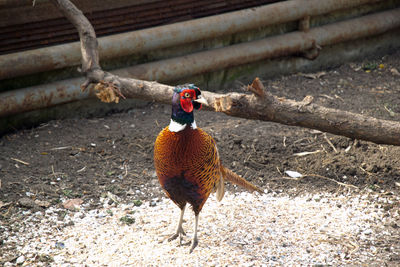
x,y
260,105
306,114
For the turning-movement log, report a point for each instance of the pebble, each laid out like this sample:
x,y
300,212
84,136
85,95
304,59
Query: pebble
x,y
27,202
20,260
316,198
367,232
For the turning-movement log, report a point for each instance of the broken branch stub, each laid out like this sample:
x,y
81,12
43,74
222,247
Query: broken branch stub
x,y
108,92
257,88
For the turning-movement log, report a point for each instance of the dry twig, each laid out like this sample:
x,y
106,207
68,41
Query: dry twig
x,y
330,143
315,175
20,161
332,180
301,154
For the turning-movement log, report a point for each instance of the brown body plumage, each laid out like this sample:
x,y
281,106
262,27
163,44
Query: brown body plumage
x,y
187,161
187,166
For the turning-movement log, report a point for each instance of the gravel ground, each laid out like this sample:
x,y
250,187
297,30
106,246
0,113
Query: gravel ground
x,y
243,229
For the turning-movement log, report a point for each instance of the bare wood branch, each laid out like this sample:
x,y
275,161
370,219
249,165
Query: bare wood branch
x,y
310,115
261,105
89,45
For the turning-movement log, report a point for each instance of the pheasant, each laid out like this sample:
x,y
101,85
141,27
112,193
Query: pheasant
x,y
187,162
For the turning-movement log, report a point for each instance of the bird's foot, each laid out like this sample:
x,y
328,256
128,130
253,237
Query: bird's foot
x,y
179,233
194,244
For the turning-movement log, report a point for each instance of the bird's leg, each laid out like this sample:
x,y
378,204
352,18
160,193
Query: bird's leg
x,y
195,241
179,230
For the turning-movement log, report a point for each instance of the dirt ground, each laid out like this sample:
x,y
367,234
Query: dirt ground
x,y
86,158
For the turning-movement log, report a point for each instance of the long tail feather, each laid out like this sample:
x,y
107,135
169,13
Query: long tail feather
x,y
236,179
220,188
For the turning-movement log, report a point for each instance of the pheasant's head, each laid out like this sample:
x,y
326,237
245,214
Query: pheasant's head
x,y
186,98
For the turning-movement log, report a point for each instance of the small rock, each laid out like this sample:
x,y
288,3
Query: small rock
x,y
79,215
395,72
113,197
294,174
29,194
59,245
72,204
2,204
102,214
27,202
137,202
317,198
20,260
42,203
237,140
367,232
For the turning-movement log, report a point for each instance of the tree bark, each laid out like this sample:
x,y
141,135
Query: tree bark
x,y
309,115
260,105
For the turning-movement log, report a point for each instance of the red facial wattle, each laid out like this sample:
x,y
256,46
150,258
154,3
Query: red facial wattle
x,y
187,105
186,98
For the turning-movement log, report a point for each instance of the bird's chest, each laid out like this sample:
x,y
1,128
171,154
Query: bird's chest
x,y
181,152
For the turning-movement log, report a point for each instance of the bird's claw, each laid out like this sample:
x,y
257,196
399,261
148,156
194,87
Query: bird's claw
x,y
179,233
194,244
173,237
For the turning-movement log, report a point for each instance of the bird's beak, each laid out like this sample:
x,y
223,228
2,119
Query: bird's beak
x,y
201,100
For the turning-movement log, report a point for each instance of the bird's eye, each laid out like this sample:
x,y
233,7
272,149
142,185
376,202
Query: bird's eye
x,y
187,95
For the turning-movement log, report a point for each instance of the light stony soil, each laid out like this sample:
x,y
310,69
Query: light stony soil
x,y
273,229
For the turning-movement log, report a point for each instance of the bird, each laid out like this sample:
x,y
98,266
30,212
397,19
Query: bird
x,y
187,161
